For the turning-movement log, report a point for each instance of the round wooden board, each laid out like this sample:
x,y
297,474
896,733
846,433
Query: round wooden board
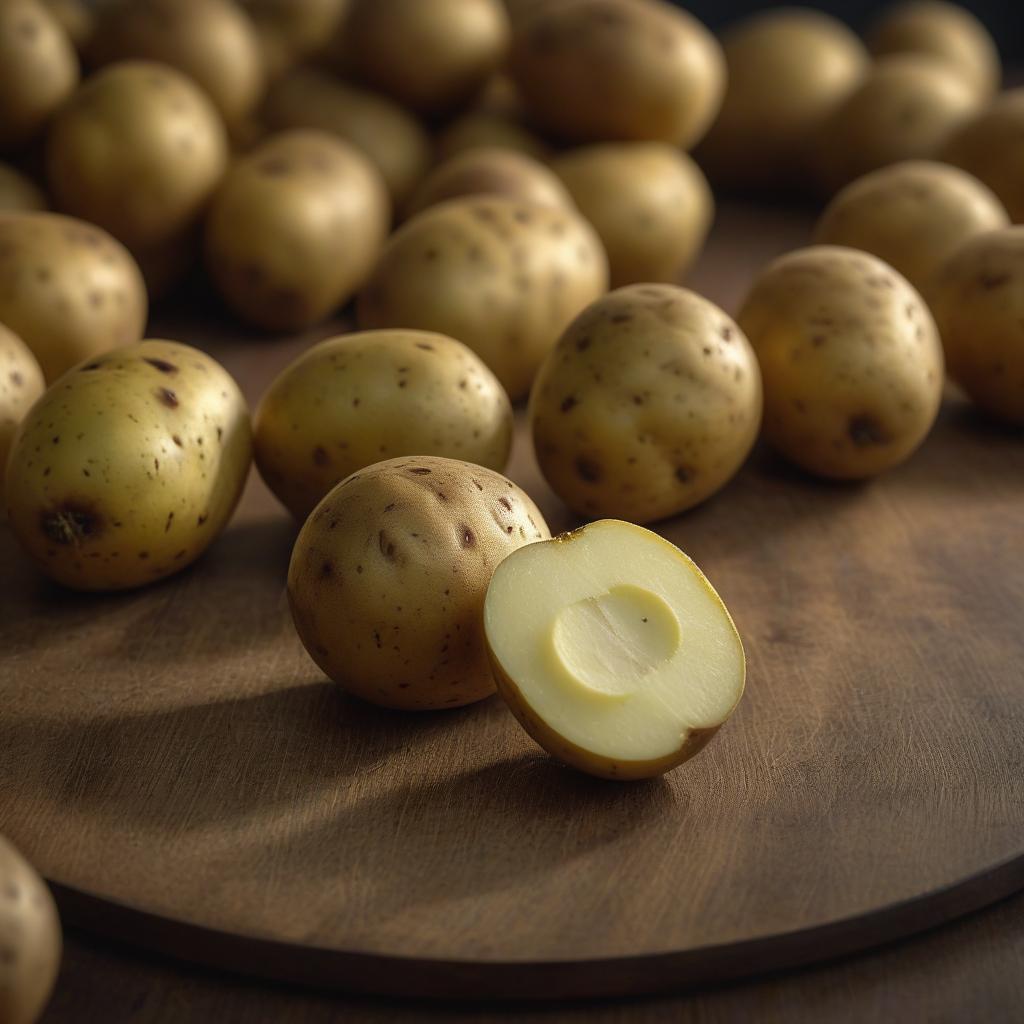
x,y
179,768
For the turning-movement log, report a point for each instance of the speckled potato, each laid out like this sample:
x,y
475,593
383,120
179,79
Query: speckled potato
x,y
491,171
18,192
991,147
38,70
393,139
30,939
21,383
432,57
977,297
76,17
597,70
788,69
913,215
128,468
212,41
501,276
388,578
943,30
67,289
360,398
484,128
649,404
295,229
905,109
850,357
649,203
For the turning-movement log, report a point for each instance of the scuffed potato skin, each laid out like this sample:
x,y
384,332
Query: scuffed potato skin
x,y
129,466
18,193
21,383
647,406
388,578
361,398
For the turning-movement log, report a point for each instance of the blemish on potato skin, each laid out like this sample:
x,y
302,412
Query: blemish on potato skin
x,y
158,364
568,403
588,470
386,545
71,523
865,430
167,397
320,456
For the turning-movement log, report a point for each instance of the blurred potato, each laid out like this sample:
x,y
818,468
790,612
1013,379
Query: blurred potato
x,y
18,192
76,17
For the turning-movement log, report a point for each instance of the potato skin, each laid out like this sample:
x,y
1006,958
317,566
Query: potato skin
x,y
388,578
977,297
21,383
359,398
295,228
18,193
850,357
648,404
602,70
67,289
501,276
129,466
649,203
30,938
485,128
76,18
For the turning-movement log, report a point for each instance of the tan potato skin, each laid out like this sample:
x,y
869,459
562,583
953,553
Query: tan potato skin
x,y
30,939
913,215
850,357
18,193
67,289
21,383
603,70
38,70
977,297
649,203
649,404
388,578
76,18
501,276
129,466
295,229
299,27
360,398
483,128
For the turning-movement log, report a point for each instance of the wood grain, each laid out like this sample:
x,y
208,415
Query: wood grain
x,y
177,765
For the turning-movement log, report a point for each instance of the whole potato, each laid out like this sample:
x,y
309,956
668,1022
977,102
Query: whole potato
x,y
991,147
393,139
601,70
492,171
76,17
212,41
388,578
295,229
67,289
482,128
433,57
501,276
850,357
359,398
913,215
129,467
21,383
788,69
939,29
38,70
18,192
649,203
978,300
905,109
30,939
649,404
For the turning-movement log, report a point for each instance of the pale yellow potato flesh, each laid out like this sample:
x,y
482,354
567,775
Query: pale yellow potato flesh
x,y
613,650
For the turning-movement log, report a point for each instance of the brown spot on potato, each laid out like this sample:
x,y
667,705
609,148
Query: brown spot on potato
x,y
320,456
419,471
467,537
177,440
326,569
426,348
387,546
16,379
568,403
160,364
71,523
167,397
582,344
170,520
505,503
990,281
274,166
91,366
588,470
865,430
621,318
684,474
201,519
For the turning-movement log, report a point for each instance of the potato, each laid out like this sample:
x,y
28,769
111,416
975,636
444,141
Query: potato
x,y
394,140
293,29
356,399
601,70
497,172
18,192
295,229
67,289
211,41
942,30
38,70
30,939
482,128
788,69
501,276
388,577
77,19
433,57
977,297
991,147
913,215
129,466
905,109
649,203
649,404
851,361
21,383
